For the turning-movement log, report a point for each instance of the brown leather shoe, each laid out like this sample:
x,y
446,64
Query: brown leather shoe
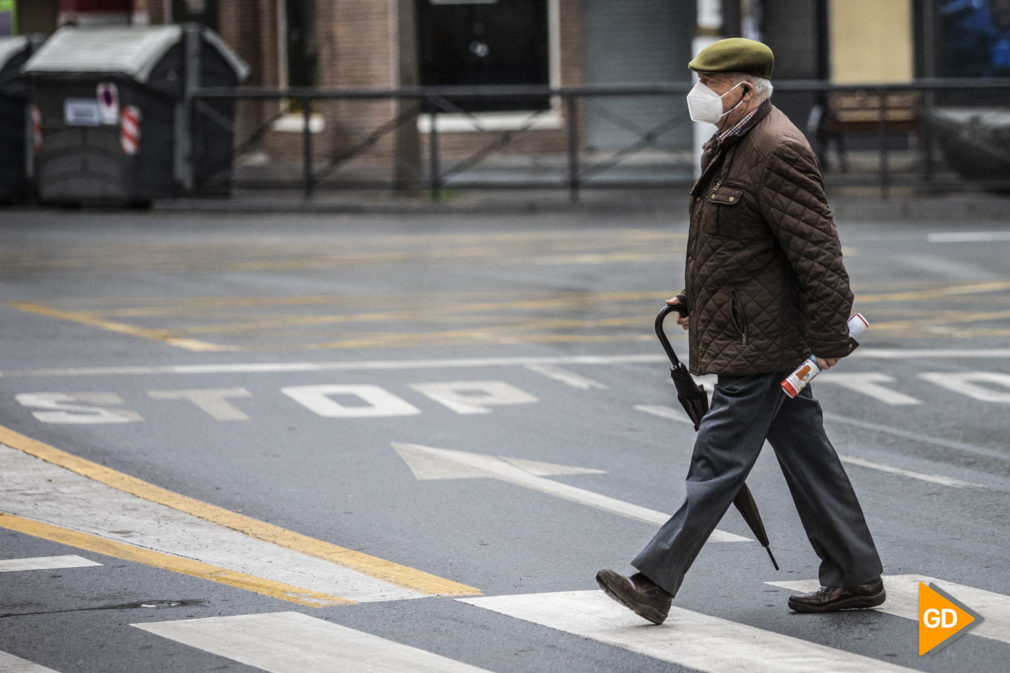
x,y
829,599
637,593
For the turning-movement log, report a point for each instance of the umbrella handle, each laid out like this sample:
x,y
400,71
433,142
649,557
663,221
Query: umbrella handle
x,y
661,333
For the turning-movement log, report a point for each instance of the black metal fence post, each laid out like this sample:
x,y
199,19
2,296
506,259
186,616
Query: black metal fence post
x,y
885,177
573,147
307,146
937,134
926,134
434,179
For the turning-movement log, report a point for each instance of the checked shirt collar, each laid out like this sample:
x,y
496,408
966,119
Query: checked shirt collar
x,y
735,129
716,141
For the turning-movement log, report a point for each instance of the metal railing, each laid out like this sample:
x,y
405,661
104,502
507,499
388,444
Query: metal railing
x,y
898,147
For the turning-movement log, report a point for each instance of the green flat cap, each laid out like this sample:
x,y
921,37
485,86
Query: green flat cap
x,y
735,54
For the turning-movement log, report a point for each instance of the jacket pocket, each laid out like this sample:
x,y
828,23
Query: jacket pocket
x,y
725,195
725,200
738,313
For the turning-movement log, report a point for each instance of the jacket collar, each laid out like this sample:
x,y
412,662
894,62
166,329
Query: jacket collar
x,y
714,149
730,140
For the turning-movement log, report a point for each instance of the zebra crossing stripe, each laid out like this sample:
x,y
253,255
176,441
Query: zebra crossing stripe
x,y
44,563
75,504
359,577
903,601
185,566
11,664
689,639
290,642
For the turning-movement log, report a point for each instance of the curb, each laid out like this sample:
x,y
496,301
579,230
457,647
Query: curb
x,y
667,203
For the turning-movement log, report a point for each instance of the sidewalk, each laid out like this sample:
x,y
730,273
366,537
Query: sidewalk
x,y
863,204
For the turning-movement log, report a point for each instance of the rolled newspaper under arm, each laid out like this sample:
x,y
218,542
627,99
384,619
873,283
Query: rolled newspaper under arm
x,y
805,373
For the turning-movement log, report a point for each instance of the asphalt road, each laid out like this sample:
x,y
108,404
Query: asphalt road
x,y
335,442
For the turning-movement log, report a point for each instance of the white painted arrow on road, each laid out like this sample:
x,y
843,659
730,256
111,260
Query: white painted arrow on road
x,y
431,463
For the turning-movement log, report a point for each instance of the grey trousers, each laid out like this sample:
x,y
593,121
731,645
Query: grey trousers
x,y
745,411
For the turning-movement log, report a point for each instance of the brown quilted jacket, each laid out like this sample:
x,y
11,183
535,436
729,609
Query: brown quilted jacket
x,y
765,281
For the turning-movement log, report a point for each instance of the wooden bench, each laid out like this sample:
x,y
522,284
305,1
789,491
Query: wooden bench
x,y
859,113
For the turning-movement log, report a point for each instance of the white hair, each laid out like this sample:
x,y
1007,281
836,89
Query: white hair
x,y
762,87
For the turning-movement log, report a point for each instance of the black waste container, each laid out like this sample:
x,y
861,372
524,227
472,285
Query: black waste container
x,y
114,123
14,51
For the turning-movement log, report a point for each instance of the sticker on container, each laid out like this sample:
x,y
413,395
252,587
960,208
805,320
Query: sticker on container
x,y
81,112
36,127
129,130
108,103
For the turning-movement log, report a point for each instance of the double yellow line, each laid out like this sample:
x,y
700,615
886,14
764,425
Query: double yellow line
x,y
372,566
84,318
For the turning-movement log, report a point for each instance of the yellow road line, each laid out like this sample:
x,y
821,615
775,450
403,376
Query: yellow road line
x,y
461,310
373,566
157,559
118,327
936,292
950,320
466,309
466,339
412,305
468,312
519,332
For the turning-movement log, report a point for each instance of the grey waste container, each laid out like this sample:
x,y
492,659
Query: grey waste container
x,y
114,124
14,51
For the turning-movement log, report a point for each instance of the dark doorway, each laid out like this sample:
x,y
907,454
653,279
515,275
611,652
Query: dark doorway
x,y
485,43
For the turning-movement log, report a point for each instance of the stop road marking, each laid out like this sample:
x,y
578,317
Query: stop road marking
x,y
357,400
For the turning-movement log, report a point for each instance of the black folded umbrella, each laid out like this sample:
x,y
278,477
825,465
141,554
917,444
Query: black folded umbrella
x,y
695,402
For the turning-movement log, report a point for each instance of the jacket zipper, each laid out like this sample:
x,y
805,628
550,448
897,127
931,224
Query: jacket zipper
x,y
739,316
718,211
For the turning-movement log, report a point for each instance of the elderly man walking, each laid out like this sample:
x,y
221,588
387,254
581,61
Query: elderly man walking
x,y
765,288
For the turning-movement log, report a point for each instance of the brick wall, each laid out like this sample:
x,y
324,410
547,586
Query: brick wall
x,y
156,11
358,49
250,28
359,55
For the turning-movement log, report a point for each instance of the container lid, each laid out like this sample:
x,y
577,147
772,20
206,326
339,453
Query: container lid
x,y
11,47
127,50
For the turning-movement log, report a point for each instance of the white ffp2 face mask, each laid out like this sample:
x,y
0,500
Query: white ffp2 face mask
x,y
705,105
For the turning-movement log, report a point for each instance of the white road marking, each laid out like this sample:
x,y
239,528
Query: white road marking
x,y
996,388
868,383
680,416
371,401
11,664
290,642
37,490
474,397
689,639
903,601
372,365
66,408
668,413
569,378
212,401
431,463
932,353
45,563
922,476
460,363
968,236
916,436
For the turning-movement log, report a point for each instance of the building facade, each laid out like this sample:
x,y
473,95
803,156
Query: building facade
x,y
393,44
